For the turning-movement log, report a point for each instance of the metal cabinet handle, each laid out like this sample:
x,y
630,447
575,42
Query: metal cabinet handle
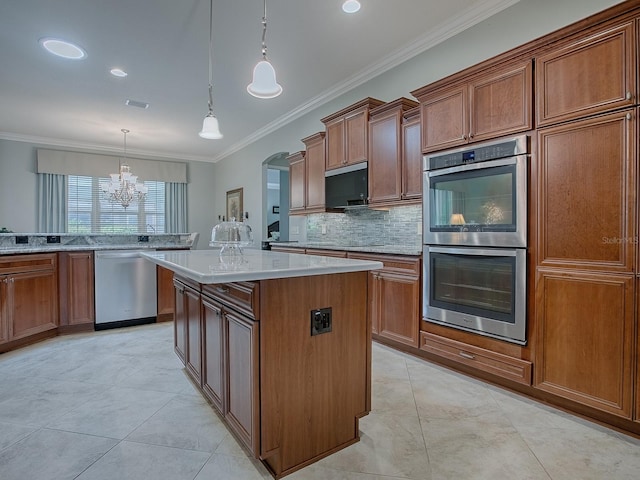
x,y
628,116
222,289
470,135
629,95
464,137
467,355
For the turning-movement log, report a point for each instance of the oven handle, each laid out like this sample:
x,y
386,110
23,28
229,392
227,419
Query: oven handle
x,y
485,252
477,166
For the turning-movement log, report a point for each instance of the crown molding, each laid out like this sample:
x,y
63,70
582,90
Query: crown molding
x,y
95,148
467,19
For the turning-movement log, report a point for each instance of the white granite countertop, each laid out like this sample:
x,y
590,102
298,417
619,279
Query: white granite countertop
x,y
207,266
415,250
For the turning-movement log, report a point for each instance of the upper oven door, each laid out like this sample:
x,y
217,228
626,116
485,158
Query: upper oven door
x,y
478,204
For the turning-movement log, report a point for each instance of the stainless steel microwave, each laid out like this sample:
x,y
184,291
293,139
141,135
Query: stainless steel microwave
x,y
346,186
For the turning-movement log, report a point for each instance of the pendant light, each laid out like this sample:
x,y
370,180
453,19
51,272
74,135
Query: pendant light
x,y
264,83
210,127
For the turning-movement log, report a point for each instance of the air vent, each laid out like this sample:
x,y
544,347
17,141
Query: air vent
x,y
136,103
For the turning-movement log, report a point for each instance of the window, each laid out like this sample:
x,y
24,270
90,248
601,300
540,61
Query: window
x,y
89,212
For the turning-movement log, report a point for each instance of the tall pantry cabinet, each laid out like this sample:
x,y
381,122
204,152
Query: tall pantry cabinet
x,y
586,246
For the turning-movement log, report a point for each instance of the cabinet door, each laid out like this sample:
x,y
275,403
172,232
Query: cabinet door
x,y
243,401
586,193
80,291
398,299
411,160
33,303
356,131
194,338
335,143
590,75
297,182
444,119
501,103
166,297
584,344
315,159
180,322
385,166
4,323
213,354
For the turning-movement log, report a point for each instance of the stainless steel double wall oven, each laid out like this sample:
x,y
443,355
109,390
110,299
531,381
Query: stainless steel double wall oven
x,y
475,238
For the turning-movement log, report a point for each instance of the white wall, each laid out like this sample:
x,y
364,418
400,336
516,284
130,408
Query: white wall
x,y
18,182
18,191
520,23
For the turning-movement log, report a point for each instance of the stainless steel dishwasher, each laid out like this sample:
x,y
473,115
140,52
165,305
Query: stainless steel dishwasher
x,y
125,289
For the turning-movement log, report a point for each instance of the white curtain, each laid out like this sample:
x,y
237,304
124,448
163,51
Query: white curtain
x,y
52,203
175,195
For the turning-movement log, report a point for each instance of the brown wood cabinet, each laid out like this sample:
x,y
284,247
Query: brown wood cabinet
x,y
482,107
306,177
587,194
184,291
314,175
213,353
386,161
76,285
587,74
297,183
28,295
347,134
584,344
166,296
411,156
394,299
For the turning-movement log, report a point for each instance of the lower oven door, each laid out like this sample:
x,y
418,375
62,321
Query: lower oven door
x,y
480,290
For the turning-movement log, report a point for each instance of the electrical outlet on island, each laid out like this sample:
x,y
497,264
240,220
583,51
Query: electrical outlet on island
x,y
323,229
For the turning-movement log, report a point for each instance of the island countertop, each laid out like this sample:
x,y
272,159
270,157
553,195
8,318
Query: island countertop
x,y
207,266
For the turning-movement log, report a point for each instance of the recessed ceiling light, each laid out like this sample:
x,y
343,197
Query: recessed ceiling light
x,y
351,6
118,72
62,48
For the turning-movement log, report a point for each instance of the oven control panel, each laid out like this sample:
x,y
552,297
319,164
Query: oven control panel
x,y
479,153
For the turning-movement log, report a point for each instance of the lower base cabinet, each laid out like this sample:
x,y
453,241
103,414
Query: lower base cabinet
x,y
28,296
395,298
584,344
290,396
76,283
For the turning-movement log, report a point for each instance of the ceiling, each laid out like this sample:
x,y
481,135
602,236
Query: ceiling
x,y
318,51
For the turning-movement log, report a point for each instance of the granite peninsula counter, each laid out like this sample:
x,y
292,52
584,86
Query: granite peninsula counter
x,y
280,345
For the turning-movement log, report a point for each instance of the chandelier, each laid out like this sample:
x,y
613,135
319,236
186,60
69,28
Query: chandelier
x,y
123,188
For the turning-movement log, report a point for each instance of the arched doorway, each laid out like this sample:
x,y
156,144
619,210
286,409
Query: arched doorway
x,y
275,197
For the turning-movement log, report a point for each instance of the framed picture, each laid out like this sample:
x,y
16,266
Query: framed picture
x,y
276,209
234,205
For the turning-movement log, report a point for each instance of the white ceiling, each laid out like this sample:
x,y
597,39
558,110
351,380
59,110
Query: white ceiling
x,y
318,51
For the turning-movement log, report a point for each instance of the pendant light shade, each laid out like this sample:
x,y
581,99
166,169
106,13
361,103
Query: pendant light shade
x,y
264,84
210,128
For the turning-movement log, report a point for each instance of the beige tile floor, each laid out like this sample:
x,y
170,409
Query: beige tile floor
x,y
116,405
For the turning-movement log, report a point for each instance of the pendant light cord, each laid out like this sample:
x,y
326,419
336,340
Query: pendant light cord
x,y
210,57
264,32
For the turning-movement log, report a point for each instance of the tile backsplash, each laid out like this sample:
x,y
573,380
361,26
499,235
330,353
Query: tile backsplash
x,y
364,226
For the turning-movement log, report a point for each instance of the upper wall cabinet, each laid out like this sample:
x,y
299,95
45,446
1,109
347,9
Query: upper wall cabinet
x,y
482,107
347,134
386,146
593,73
297,183
314,174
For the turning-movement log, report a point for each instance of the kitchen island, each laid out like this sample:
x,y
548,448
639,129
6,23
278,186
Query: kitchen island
x,y
280,344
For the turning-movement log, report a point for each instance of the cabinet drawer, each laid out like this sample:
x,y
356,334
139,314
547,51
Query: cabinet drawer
x,y
242,296
327,253
27,263
392,263
491,362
